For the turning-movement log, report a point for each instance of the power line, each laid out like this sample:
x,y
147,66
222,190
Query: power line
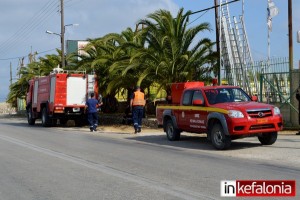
x,y
198,17
26,25
23,33
213,7
25,30
18,57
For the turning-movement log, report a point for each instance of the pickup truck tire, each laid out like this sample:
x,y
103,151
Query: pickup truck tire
x,y
268,138
30,119
173,133
218,138
45,118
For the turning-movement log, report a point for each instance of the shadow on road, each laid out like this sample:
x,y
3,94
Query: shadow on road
x,y
194,142
191,142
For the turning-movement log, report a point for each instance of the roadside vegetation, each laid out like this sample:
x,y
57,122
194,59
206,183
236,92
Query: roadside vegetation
x,y
161,50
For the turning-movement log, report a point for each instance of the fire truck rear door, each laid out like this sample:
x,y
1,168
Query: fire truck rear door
x,y
76,90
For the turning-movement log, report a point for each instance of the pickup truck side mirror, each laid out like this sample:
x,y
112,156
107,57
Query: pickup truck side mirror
x,y
197,102
254,98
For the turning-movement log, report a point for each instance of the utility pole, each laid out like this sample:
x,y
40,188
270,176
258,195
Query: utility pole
x,y
293,84
62,34
290,21
218,38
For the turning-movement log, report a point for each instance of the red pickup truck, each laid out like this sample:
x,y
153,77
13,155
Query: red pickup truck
x,y
224,113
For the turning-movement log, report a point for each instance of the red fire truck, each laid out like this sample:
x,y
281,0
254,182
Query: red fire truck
x,y
222,112
60,95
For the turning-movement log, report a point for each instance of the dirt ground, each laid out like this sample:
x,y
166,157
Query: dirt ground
x,y
127,129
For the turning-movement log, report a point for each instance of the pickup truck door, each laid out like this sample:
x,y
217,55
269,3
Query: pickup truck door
x,y
198,114
182,113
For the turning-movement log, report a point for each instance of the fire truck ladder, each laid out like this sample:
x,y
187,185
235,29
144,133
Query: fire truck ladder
x,y
245,57
236,55
226,47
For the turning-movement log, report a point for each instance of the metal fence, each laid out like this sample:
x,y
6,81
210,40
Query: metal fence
x,y
273,78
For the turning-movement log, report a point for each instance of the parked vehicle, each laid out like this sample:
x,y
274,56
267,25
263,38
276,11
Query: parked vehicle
x,y
60,95
224,113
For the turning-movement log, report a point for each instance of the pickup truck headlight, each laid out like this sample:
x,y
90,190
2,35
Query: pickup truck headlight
x,y
276,111
235,114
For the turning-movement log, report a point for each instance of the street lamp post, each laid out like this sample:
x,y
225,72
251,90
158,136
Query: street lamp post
x,y
62,35
62,42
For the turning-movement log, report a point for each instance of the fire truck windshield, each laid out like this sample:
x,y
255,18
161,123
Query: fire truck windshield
x,y
222,95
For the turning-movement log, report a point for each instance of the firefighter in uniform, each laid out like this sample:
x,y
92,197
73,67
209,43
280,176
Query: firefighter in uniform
x,y
92,113
137,103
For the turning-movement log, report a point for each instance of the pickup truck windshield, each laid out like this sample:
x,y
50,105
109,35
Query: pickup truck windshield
x,y
222,95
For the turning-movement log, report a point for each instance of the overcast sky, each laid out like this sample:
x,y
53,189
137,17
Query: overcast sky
x,y
24,23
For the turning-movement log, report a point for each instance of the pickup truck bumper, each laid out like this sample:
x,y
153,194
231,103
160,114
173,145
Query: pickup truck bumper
x,y
254,125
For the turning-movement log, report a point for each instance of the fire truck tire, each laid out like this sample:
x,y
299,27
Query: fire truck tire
x,y
30,119
218,138
45,118
173,133
268,138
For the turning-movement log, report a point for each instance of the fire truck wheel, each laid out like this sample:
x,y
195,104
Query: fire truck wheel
x,y
30,119
173,133
268,138
218,138
45,118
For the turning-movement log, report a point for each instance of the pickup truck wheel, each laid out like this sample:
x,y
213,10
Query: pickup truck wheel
x,y
218,138
30,119
45,118
173,133
268,138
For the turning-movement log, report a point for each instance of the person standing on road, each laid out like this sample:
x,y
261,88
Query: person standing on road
x,y
91,105
137,103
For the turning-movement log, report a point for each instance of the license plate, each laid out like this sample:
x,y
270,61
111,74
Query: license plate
x,y
260,121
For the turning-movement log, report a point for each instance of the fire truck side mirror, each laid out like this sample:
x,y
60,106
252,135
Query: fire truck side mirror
x,y
254,98
298,36
198,102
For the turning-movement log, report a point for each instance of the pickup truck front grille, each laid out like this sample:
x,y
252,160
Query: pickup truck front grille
x,y
259,113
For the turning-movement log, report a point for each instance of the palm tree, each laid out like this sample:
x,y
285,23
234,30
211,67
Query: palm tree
x,y
172,54
163,52
40,68
19,88
99,56
123,72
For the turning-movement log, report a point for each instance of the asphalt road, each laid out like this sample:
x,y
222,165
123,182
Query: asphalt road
x,y
72,163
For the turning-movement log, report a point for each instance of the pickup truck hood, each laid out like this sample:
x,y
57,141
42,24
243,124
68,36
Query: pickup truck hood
x,y
243,106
